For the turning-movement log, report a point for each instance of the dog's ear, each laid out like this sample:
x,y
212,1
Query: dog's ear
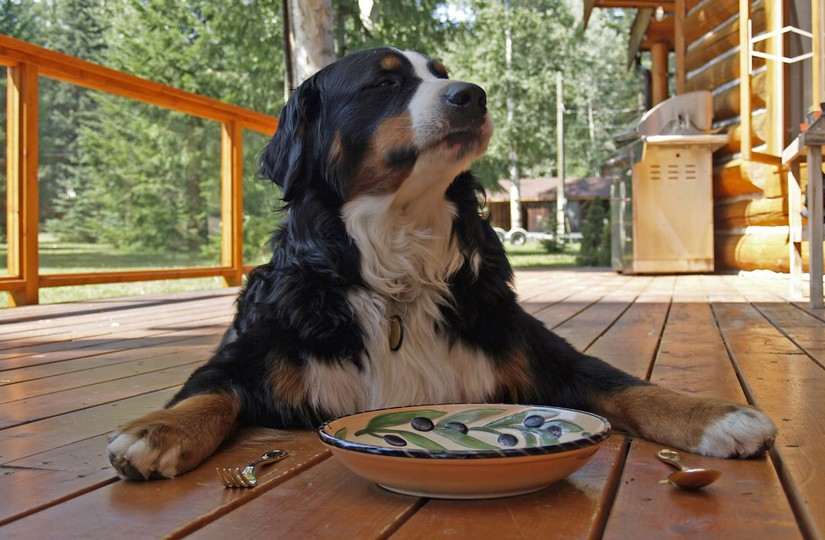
x,y
285,158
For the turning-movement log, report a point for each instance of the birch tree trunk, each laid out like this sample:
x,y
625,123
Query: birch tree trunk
x,y
310,37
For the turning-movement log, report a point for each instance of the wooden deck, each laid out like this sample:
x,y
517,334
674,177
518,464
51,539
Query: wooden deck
x,y
70,373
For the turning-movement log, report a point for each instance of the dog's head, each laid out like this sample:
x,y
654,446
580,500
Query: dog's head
x,y
379,121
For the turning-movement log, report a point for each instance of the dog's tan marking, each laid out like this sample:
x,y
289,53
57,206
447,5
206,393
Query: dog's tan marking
x,y
439,69
514,380
375,174
336,150
172,441
390,62
289,385
704,425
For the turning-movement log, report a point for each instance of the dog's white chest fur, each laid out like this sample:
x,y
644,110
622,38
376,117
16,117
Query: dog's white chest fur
x,y
404,263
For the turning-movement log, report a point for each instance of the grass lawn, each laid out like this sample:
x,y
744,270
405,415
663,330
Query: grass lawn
x,y
533,255
60,257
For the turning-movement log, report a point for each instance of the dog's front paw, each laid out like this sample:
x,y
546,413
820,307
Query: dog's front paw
x,y
170,442
139,453
742,432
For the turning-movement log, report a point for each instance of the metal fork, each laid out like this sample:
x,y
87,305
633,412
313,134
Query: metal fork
x,y
235,477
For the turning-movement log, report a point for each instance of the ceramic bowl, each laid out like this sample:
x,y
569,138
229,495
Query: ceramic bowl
x,y
465,451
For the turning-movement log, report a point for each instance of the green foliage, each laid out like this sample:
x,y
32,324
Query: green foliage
x,y
138,177
404,25
595,247
546,39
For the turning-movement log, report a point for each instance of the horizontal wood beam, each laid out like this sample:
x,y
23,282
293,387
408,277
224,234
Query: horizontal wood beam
x,y
721,40
93,76
633,4
719,73
96,278
706,17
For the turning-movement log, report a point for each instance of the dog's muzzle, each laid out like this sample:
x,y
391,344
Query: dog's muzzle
x,y
466,104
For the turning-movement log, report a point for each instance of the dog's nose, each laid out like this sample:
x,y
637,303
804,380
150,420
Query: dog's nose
x,y
467,96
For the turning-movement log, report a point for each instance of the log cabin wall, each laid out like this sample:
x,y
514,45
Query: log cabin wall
x,y
750,199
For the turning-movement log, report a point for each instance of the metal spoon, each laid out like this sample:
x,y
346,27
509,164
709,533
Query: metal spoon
x,y
685,477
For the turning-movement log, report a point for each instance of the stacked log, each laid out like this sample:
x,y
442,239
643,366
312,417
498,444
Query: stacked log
x,y
750,199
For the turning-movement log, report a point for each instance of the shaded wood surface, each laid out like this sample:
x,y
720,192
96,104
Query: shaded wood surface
x,y
71,373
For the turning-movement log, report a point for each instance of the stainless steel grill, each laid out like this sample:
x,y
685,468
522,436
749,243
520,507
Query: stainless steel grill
x,y
661,191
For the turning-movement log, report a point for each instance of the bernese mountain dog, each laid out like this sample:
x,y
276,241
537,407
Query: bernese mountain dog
x,y
387,287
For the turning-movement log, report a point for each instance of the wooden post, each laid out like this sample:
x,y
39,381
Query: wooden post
x,y
745,116
795,234
815,215
561,200
232,201
679,45
658,56
776,82
818,85
21,170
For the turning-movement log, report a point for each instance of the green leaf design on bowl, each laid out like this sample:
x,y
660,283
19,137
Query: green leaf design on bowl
x,y
469,416
568,426
383,421
399,423
517,420
466,440
414,438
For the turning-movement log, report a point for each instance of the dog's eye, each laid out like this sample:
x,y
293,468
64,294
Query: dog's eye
x,y
385,82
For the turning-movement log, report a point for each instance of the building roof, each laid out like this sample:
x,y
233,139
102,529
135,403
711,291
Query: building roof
x,y
544,189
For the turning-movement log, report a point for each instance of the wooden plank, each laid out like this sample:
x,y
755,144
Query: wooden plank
x,y
137,509
803,328
27,317
572,508
328,501
747,502
150,317
556,314
788,385
31,439
630,344
120,373
178,345
126,344
583,329
99,339
24,411
67,471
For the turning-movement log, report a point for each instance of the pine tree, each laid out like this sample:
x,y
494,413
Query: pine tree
x,y
595,236
65,110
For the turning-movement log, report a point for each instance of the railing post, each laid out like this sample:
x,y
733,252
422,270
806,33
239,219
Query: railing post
x,y
745,118
232,200
21,173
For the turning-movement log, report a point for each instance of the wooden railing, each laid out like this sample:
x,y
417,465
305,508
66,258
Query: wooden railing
x,y
25,64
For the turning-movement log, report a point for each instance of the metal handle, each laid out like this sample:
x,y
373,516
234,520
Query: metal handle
x,y
671,458
273,455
